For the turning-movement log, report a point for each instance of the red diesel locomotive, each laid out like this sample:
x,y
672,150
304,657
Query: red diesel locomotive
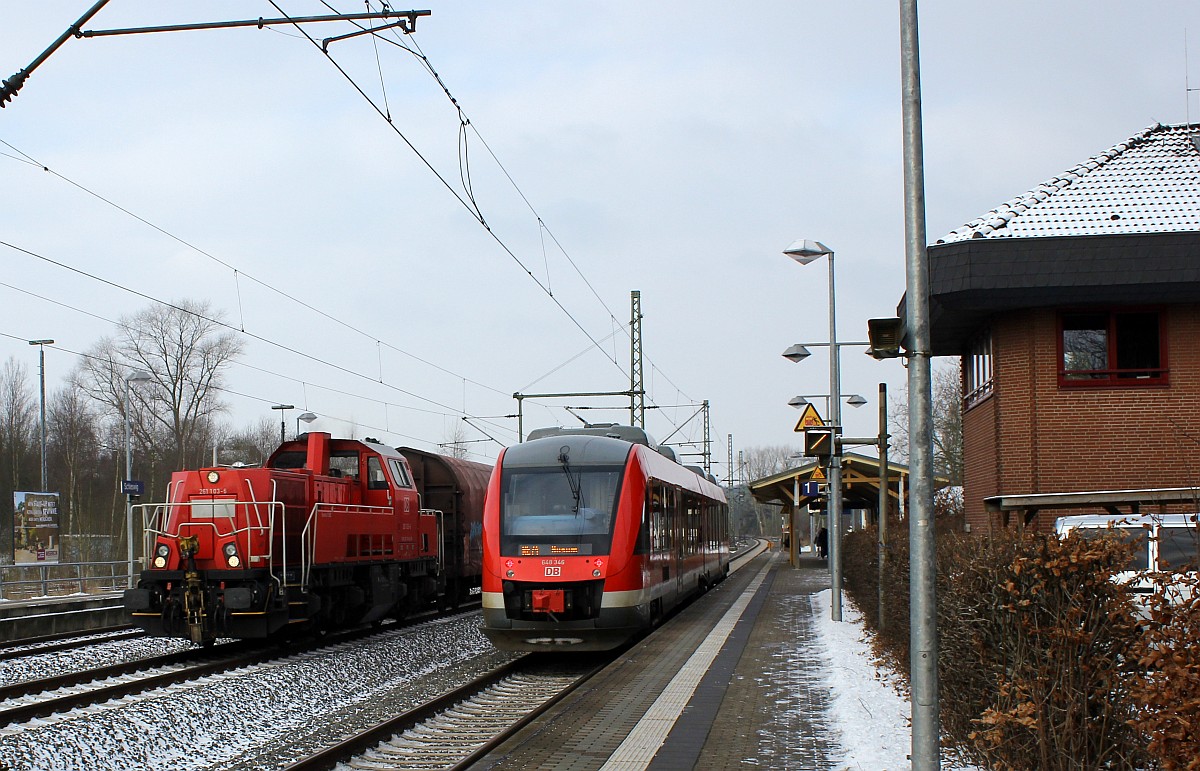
x,y
332,533
591,536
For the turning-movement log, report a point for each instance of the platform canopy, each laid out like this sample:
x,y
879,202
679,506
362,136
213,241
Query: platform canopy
x,y
860,484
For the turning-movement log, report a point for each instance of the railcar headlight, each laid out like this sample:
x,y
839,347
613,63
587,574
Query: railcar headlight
x,y
231,556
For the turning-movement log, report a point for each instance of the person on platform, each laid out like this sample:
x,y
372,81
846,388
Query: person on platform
x,y
822,543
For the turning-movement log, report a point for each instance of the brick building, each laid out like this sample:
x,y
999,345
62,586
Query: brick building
x,y
1076,311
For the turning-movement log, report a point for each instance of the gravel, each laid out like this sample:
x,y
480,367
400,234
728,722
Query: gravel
x,y
260,716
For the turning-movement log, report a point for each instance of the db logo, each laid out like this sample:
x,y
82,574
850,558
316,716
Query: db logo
x,y
553,571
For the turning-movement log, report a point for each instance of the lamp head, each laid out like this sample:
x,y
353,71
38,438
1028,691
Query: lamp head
x,y
855,400
797,353
41,342
805,251
307,417
797,401
138,376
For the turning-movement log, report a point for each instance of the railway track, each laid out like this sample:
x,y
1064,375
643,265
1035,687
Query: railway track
x,y
455,729
37,698
63,642
30,699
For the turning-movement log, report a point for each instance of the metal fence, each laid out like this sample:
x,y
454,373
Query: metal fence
x,y
24,582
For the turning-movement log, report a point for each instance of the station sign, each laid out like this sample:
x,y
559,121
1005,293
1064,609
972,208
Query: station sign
x,y
133,487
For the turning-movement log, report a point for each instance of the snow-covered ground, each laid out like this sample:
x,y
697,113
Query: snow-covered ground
x,y
869,712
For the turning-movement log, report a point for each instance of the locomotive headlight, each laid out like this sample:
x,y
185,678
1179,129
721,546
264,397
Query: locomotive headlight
x,y
596,572
160,555
231,556
510,573
213,477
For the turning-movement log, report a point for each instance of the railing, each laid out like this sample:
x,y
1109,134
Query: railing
x,y
62,579
308,536
259,518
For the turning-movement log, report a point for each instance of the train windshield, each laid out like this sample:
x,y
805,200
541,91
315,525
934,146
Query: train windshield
x,y
558,510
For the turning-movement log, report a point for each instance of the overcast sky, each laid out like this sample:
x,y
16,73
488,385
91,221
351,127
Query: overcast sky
x,y
669,147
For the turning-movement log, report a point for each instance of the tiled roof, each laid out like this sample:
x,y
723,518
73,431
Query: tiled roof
x,y
1150,183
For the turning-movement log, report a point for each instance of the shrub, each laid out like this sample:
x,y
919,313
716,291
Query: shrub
x,y
1035,646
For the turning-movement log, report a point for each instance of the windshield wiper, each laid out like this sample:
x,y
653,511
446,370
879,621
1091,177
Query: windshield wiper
x,y
573,481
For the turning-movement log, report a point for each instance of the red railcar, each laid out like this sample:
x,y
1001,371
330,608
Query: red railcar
x,y
331,533
592,535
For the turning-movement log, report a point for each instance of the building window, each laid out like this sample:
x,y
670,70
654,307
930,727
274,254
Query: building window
x,y
1111,348
977,370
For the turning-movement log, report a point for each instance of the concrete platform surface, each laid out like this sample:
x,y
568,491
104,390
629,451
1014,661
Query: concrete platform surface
x,y
732,682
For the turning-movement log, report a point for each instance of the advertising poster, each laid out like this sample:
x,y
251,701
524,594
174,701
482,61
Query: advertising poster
x,y
35,528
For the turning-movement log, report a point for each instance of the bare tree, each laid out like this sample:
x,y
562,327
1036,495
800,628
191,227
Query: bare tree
x,y
18,422
947,422
758,463
185,348
251,445
75,458
454,442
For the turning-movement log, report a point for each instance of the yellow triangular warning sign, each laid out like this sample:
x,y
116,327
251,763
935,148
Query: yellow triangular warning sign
x,y
817,476
809,419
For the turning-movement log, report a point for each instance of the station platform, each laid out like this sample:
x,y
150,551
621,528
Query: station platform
x,y
42,616
731,682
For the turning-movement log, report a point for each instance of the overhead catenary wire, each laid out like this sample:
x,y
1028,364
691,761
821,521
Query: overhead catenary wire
x,y
459,196
230,327
265,400
238,273
469,202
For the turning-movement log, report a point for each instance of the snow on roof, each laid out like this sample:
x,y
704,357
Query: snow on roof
x,y
1150,183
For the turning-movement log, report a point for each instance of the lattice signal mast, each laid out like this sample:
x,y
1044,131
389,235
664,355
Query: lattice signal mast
x,y
637,394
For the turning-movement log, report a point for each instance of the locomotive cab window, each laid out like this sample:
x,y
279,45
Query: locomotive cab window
x,y
399,473
375,477
292,459
344,463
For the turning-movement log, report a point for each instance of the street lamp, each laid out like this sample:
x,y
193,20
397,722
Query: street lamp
x,y
136,376
283,408
854,400
804,251
41,344
307,417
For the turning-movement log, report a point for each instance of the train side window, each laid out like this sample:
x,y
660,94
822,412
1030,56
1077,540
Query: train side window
x,y
400,473
375,478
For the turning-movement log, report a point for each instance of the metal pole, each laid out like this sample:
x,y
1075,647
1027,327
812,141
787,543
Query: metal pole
x,y
42,377
794,524
883,497
835,461
128,475
922,567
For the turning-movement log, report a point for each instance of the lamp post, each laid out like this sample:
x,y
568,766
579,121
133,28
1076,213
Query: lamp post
x,y
307,417
283,408
854,400
137,376
41,344
804,251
